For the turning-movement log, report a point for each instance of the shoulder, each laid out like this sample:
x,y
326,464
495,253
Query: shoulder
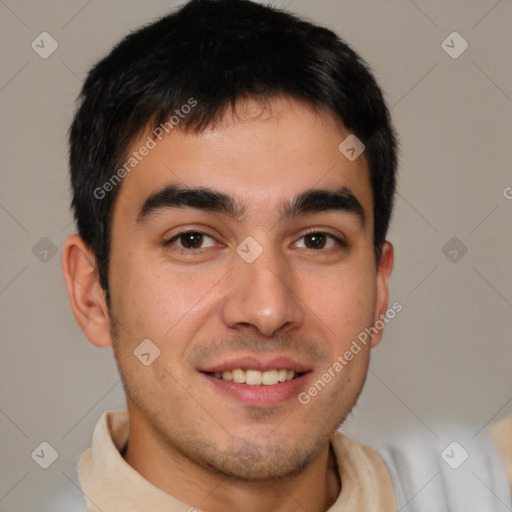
x,y
364,476
456,468
356,457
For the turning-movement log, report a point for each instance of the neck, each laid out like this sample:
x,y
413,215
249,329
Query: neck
x,y
315,489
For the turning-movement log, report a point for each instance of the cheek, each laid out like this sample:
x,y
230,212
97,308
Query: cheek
x,y
160,302
344,302
157,304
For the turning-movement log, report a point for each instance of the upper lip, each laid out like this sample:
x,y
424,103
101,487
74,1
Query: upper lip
x,y
258,363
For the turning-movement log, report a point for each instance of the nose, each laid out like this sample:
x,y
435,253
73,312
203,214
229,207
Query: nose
x,y
261,295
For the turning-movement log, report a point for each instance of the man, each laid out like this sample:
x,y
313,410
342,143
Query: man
x,y
233,172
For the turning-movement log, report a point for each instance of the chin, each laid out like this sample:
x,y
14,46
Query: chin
x,y
250,461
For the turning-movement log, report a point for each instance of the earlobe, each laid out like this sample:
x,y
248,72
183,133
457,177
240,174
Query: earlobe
x,y
86,296
382,297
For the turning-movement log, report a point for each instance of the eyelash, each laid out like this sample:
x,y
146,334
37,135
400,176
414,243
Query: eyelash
x,y
341,243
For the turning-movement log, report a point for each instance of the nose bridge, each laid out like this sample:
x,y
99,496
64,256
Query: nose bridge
x,y
261,293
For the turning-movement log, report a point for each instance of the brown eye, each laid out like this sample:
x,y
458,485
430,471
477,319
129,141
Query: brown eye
x,y
190,240
318,240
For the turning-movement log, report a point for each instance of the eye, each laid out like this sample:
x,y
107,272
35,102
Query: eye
x,y
190,240
196,241
318,240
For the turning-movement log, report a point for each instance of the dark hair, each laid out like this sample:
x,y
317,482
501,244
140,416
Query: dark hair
x,y
217,52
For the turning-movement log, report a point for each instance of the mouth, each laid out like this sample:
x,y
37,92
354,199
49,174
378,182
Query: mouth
x,y
257,383
252,377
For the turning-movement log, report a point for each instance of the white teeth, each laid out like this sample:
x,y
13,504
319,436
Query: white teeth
x,y
269,378
281,375
255,377
239,376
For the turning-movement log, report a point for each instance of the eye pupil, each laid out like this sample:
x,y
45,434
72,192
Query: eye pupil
x,y
317,239
190,240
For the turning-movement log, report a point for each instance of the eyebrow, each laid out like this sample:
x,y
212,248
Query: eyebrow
x,y
207,199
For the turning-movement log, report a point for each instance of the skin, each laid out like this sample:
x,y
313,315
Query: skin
x,y
187,438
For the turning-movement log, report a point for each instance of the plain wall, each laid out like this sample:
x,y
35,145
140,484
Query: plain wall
x,y
446,356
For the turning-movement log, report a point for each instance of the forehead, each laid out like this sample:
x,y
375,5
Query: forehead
x,y
260,155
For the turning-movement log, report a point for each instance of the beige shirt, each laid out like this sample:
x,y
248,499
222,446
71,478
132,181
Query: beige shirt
x,y
110,484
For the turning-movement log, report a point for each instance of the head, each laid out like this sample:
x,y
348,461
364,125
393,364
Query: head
x,y
223,120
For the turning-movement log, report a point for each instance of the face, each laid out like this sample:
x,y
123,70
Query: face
x,y
236,284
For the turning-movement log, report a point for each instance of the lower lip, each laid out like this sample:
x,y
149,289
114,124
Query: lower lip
x,y
260,396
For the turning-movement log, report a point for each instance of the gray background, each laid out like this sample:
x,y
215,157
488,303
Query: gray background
x,y
445,358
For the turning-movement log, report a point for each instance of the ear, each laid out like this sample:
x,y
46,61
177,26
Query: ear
x,y
382,297
87,298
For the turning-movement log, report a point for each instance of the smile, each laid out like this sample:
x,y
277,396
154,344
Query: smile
x,y
256,377
259,389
